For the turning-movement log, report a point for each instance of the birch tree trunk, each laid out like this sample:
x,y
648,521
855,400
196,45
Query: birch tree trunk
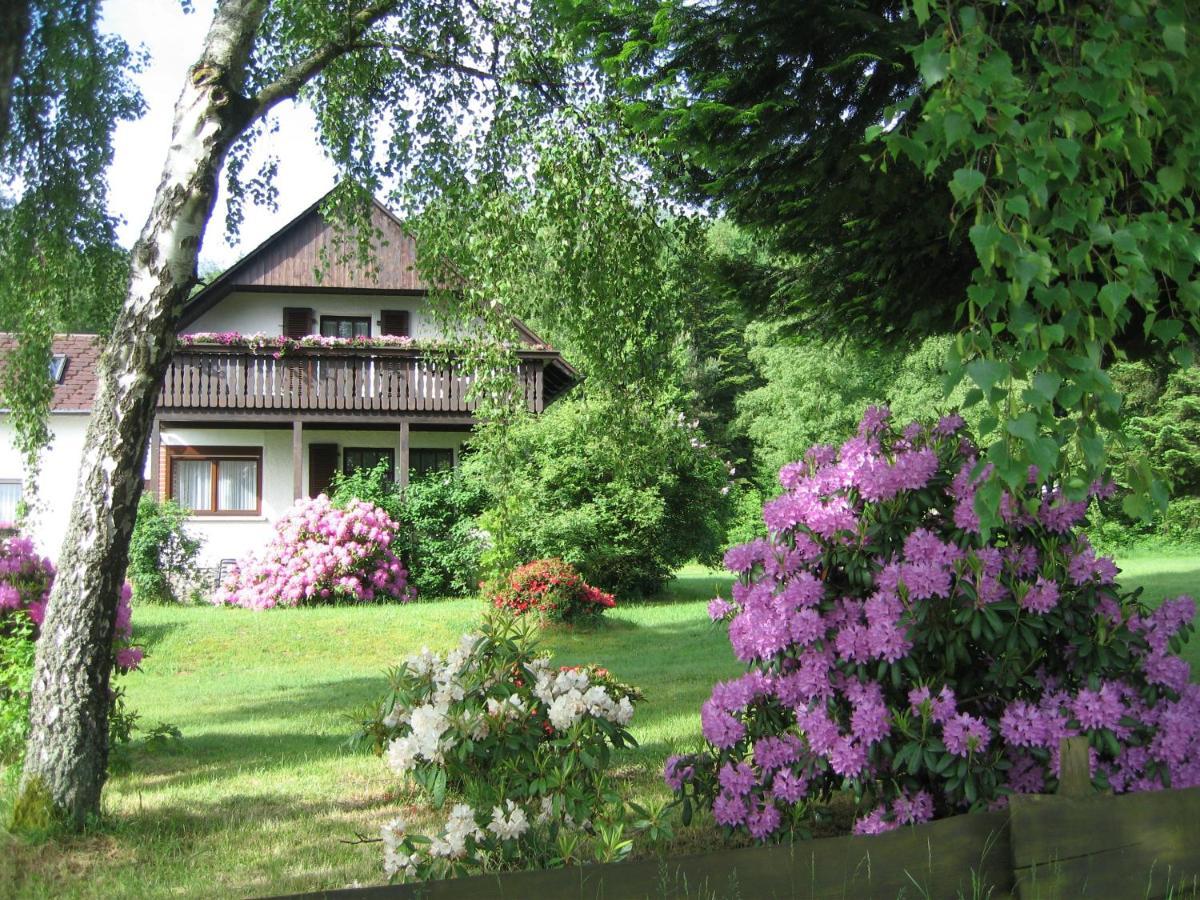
x,y
67,756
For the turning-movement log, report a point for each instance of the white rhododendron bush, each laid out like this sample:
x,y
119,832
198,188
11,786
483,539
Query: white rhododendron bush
x,y
525,745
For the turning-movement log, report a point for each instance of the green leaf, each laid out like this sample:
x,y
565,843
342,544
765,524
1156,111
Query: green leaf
x,y
1170,179
1175,37
1046,385
1112,297
1025,427
932,61
984,237
965,183
956,127
986,373
921,10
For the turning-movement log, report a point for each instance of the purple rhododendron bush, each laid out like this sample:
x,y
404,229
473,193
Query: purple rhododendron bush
x,y
896,653
25,582
321,553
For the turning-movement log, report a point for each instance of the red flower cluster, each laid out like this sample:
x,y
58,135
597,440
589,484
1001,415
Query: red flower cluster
x,y
551,589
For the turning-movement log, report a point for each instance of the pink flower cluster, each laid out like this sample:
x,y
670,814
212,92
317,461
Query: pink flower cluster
x,y
280,344
25,583
892,651
321,554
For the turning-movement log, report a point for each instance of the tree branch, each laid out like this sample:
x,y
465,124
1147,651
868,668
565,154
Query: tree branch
x,y
287,85
446,62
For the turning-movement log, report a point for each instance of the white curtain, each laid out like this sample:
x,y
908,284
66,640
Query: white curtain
x,y
10,495
192,483
237,484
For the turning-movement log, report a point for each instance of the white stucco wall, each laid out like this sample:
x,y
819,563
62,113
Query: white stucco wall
x,y
233,537
56,481
225,537
251,312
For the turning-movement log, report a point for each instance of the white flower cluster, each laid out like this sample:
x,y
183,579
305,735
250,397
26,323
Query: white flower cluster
x,y
402,857
569,696
460,825
508,822
430,723
396,859
425,741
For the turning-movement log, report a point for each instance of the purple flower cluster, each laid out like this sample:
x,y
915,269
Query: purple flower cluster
x,y
321,554
25,582
893,651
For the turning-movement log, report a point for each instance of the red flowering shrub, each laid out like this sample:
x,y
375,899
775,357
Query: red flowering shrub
x,y
551,589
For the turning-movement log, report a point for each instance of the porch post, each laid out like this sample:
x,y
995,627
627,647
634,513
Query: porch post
x,y
402,455
156,459
297,459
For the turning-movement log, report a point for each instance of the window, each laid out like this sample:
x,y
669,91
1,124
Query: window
x,y
58,367
10,496
216,480
345,326
297,322
394,322
422,462
368,458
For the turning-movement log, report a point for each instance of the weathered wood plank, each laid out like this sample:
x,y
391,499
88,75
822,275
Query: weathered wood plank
x,y
935,860
1134,845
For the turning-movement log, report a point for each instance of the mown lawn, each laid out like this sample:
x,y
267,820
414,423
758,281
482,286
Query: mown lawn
x,y
262,791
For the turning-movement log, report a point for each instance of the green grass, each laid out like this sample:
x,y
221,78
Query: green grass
x,y
262,791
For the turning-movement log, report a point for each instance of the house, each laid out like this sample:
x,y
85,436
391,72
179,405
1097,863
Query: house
x,y
279,380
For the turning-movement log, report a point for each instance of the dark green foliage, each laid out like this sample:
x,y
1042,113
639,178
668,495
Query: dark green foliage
x,y
440,537
624,492
438,520
375,486
761,107
162,555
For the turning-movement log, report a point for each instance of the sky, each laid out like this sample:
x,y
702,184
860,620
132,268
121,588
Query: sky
x,y
173,40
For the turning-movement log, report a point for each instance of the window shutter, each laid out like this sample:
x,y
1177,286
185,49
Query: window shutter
x,y
297,322
394,322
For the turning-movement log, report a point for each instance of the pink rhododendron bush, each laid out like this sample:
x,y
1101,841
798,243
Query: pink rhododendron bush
x,y
895,652
321,554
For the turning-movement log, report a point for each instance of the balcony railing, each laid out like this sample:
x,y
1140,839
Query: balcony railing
x,y
379,380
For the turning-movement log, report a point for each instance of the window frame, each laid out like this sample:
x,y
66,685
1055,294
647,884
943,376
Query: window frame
x,y
58,367
390,451
340,318
215,456
20,496
412,469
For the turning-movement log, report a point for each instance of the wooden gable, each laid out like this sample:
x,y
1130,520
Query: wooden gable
x,y
291,258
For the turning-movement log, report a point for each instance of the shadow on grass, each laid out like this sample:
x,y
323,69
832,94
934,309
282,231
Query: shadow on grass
x,y
148,636
212,758
289,703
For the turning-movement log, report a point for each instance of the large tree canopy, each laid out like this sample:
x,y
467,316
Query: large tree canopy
x,y
1026,171
762,107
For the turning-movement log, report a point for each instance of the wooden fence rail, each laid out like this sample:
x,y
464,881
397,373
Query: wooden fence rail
x,y
1041,848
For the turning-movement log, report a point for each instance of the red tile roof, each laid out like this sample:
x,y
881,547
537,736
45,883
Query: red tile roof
x,y
78,387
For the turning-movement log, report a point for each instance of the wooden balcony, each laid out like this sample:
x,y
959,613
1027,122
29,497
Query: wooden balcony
x,y
376,382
